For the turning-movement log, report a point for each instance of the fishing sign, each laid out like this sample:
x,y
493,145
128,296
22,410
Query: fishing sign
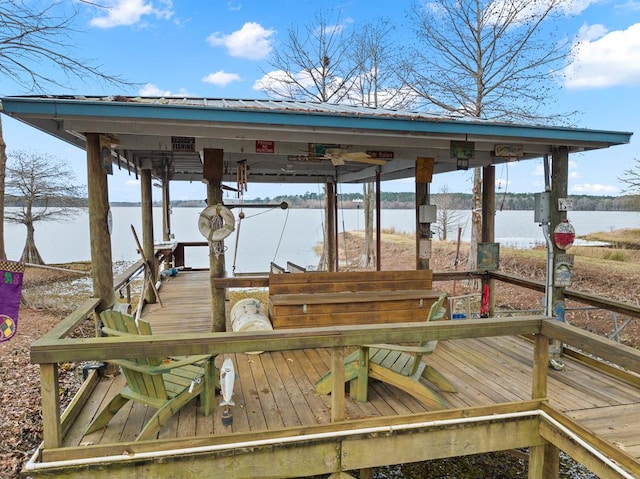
x,y
11,274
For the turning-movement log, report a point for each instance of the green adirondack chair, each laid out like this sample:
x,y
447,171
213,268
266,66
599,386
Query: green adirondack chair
x,y
161,383
399,365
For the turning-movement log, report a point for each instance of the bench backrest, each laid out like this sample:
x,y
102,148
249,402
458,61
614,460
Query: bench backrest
x,y
350,281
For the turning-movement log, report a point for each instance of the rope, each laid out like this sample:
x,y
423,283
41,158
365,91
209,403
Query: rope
x,y
281,235
235,252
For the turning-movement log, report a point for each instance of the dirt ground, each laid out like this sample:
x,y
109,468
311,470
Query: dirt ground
x,y
20,414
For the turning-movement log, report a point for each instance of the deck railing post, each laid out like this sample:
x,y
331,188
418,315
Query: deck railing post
x,y
52,430
540,367
544,461
337,387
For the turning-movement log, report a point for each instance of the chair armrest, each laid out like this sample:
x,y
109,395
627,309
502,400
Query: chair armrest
x,y
161,368
427,348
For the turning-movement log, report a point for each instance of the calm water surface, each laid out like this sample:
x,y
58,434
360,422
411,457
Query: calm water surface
x,y
275,235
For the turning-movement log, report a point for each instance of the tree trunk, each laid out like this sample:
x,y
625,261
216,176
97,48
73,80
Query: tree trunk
x,y
368,254
3,168
30,253
476,224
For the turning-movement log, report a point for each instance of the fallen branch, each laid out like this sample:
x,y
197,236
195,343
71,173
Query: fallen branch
x,y
66,270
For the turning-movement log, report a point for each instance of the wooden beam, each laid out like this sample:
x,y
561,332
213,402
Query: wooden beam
x,y
622,457
51,425
331,226
87,349
99,220
213,170
337,386
398,447
378,222
146,198
337,428
489,222
69,323
594,344
424,174
544,462
540,367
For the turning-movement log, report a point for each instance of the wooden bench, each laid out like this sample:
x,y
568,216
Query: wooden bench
x,y
318,299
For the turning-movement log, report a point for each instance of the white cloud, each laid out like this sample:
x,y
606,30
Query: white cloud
x,y
280,81
252,41
221,78
608,60
589,33
130,12
538,170
233,6
150,89
593,188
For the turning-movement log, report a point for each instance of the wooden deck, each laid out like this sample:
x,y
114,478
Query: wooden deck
x,y
275,390
275,397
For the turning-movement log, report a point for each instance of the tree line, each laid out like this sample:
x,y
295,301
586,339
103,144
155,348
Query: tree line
x,y
389,200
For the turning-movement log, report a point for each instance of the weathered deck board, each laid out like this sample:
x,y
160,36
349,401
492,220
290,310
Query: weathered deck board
x,y
275,390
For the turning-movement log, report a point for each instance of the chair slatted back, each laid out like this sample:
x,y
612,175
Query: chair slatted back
x,y
436,312
146,384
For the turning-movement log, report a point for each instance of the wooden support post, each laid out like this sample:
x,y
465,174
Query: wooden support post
x,y
559,186
99,220
366,473
378,224
424,175
146,197
212,172
540,367
336,228
166,216
544,461
489,222
52,429
337,386
331,244
358,386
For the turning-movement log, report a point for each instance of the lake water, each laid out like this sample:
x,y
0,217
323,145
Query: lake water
x,y
274,234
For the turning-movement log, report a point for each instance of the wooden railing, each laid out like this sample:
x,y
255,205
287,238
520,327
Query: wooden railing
x,y
53,348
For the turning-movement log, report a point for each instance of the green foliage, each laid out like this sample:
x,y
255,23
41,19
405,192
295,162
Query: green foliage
x,y
615,256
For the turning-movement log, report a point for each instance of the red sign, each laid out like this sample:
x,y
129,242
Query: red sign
x,y
564,235
265,146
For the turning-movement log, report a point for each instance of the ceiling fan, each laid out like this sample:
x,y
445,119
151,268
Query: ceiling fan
x,y
339,156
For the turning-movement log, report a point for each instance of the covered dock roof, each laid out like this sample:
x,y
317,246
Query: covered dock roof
x,y
290,141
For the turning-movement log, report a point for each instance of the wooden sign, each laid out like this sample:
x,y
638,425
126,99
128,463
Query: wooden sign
x,y
383,155
183,143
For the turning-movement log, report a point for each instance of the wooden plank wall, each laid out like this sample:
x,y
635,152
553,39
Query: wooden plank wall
x,y
363,297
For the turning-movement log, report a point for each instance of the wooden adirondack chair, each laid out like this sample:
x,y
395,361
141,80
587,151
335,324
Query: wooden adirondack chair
x,y
161,383
395,364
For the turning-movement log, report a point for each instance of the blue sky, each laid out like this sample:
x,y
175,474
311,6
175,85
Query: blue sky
x,y
221,49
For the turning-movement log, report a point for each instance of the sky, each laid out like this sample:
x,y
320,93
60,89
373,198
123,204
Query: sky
x,y
222,49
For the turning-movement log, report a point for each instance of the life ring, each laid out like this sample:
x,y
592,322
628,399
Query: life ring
x,y
208,219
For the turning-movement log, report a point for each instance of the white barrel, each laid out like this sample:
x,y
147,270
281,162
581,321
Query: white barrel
x,y
249,315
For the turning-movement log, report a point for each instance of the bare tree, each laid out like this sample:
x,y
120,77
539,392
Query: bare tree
x,y
631,178
313,64
42,185
485,59
376,84
34,35
447,217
